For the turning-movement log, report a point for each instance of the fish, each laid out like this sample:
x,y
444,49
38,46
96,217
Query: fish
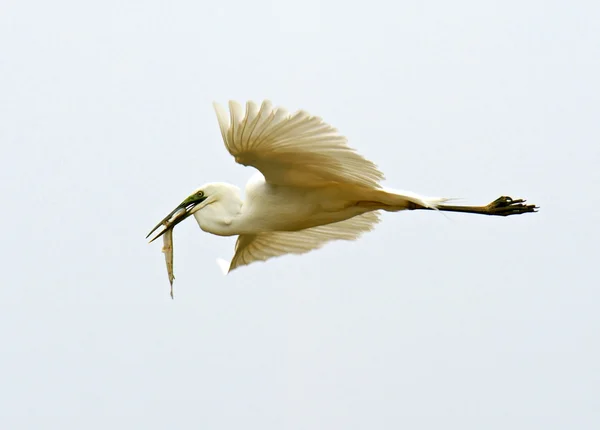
x,y
168,243
168,251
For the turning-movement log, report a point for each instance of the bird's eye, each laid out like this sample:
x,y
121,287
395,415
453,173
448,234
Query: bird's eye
x,y
200,193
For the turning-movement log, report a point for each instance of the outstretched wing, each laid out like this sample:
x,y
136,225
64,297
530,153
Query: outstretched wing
x,y
262,246
292,149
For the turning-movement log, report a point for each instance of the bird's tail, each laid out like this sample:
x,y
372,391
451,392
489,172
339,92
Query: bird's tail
x,y
394,200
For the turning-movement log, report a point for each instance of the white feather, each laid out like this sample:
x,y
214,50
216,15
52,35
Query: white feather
x,y
292,149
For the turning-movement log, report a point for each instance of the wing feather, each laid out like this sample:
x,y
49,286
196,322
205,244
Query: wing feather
x,y
292,149
262,246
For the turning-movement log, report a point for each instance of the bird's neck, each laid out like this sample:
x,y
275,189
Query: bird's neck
x,y
221,217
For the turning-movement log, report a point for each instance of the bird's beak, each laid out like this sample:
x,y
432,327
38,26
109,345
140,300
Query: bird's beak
x,y
178,214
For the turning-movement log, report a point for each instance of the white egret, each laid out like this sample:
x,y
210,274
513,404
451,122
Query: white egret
x,y
311,188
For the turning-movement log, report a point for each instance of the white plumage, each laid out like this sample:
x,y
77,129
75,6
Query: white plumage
x,y
262,246
297,150
309,182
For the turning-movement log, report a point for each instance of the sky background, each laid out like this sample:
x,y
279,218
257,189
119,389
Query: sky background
x,y
429,322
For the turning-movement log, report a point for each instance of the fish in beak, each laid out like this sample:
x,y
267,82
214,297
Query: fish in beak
x,y
181,212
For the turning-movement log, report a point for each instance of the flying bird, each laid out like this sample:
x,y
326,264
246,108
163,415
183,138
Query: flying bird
x,y
311,188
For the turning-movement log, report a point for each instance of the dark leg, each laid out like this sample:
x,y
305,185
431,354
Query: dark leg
x,y
502,206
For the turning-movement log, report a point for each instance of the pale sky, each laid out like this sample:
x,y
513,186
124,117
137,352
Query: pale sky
x,y
429,322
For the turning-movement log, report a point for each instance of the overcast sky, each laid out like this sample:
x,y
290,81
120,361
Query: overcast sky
x,y
429,322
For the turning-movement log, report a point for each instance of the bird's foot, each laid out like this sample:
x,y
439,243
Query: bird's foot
x,y
505,206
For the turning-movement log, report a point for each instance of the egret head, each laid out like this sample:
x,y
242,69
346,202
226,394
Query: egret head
x,y
194,202
202,197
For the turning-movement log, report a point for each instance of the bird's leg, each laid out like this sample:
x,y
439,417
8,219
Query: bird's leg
x,y
502,206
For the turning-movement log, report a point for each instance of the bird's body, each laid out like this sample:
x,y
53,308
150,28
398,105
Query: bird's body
x,y
311,187
269,208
